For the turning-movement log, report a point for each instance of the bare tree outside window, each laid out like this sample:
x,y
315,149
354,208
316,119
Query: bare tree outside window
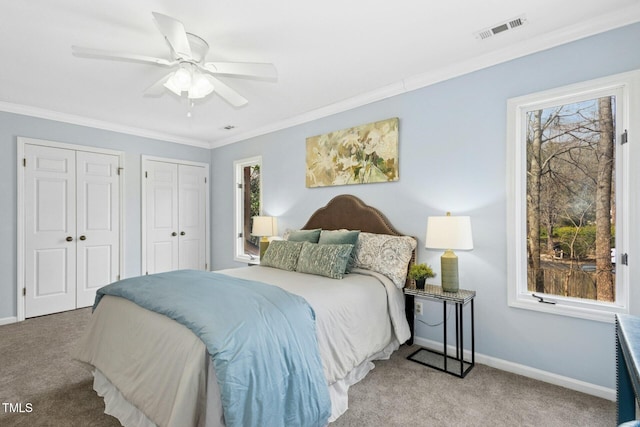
x,y
570,201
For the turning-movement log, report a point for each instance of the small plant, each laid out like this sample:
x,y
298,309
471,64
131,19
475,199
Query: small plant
x,y
421,272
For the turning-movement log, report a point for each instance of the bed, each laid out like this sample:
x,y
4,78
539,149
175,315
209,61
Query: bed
x,y
155,368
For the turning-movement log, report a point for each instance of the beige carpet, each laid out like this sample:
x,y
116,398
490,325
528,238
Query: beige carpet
x,y
35,368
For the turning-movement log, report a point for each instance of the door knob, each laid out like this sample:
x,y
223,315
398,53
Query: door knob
x,y
174,234
83,237
182,233
69,239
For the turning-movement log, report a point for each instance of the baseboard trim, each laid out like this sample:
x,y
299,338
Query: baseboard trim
x,y
527,371
8,320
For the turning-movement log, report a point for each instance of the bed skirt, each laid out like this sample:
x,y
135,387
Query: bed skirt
x,y
130,416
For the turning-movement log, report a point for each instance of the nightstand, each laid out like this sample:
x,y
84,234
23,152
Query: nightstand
x,y
457,365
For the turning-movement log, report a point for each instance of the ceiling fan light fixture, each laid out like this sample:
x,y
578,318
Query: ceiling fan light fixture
x,y
171,85
200,86
180,81
188,53
182,78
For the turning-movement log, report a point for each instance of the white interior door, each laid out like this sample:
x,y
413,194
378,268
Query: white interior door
x,y
49,229
98,225
192,217
70,219
175,215
161,200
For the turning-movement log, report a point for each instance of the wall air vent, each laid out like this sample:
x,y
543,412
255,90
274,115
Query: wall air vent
x,y
500,28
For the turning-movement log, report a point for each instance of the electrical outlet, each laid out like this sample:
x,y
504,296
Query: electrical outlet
x,y
418,308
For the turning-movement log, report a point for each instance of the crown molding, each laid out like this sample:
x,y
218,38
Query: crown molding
x,y
345,105
610,21
42,113
613,20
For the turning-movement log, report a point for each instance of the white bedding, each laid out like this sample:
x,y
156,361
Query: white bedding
x,y
162,369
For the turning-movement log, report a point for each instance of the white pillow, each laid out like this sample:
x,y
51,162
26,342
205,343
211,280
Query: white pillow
x,y
385,254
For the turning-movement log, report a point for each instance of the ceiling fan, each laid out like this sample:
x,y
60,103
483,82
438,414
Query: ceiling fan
x,y
193,76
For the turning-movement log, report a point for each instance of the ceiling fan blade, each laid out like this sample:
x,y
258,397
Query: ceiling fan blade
x,y
174,32
243,69
87,52
226,93
157,89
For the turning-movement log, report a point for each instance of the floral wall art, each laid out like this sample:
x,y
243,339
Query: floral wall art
x,y
358,155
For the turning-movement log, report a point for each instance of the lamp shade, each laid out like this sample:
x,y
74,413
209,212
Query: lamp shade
x,y
264,226
449,232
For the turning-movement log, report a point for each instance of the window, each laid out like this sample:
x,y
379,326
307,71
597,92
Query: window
x,y
568,199
248,203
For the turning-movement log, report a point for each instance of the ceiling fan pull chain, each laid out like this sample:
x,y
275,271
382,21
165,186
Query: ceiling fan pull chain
x,y
190,104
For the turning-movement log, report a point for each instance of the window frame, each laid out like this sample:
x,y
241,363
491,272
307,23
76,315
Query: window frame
x,y
624,87
238,229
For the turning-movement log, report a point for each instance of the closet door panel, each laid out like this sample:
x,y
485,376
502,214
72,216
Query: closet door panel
x,y
192,218
98,229
50,250
161,193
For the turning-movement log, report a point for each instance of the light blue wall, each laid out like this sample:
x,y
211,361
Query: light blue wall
x,y
14,125
452,158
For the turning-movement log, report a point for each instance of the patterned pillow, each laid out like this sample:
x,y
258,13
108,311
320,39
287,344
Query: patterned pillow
x,y
311,236
341,237
328,260
384,254
282,254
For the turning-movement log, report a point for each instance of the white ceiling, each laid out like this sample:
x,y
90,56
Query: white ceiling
x,y
331,55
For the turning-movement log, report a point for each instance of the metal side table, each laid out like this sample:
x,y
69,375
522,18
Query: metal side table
x,y
457,365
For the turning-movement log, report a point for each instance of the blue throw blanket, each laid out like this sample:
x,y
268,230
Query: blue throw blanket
x,y
261,338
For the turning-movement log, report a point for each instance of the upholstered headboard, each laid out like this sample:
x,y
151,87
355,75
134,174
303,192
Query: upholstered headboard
x,y
349,212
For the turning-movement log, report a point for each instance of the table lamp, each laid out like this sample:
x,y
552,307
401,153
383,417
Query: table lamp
x,y
264,226
448,233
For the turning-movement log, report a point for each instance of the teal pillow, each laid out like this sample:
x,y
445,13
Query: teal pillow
x,y
324,260
282,254
341,237
311,236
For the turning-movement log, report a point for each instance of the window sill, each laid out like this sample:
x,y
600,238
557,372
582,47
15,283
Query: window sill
x,y
247,260
583,310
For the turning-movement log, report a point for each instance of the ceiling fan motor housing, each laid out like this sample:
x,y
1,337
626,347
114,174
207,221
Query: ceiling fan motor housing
x,y
199,47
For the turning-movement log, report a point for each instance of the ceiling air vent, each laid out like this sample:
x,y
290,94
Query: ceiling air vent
x,y
500,28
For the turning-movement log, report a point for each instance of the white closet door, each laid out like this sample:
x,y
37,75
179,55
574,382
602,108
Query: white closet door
x,y
161,216
98,228
50,246
192,210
